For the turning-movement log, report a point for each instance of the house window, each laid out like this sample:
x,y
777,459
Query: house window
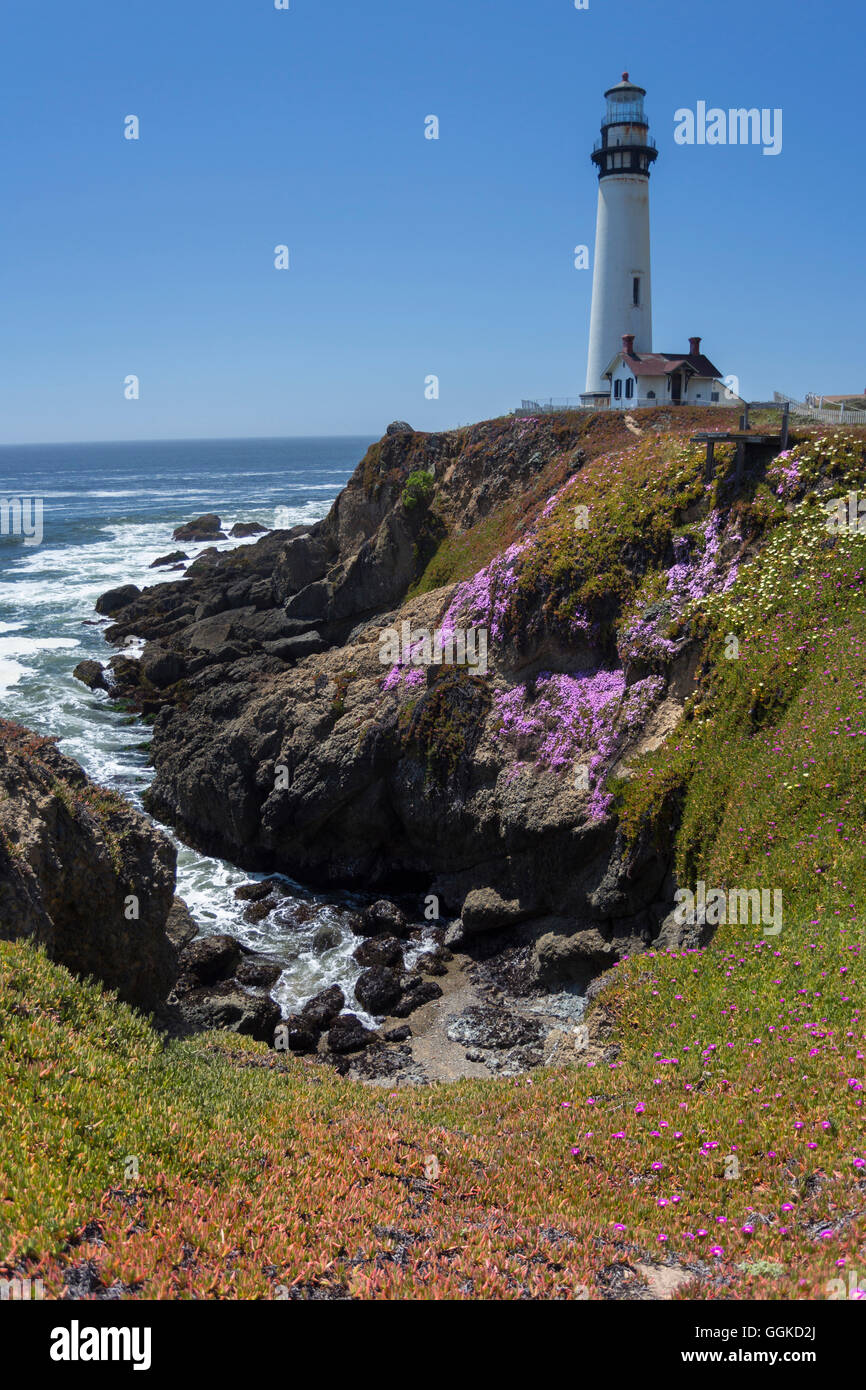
x,y
714,396
629,387
635,291
650,395
617,389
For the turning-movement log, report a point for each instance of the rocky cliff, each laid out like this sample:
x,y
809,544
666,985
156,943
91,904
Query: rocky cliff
x,y
91,880
289,736
82,873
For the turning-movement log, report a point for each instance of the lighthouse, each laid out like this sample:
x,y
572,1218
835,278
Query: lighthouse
x,y
621,288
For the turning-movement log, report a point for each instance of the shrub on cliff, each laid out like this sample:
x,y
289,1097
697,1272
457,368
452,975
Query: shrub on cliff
x,y
418,491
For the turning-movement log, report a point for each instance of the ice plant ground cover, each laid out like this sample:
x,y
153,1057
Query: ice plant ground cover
x,y
572,717
257,1174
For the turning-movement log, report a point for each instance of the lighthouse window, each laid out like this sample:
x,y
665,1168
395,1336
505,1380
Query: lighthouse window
x,y
635,290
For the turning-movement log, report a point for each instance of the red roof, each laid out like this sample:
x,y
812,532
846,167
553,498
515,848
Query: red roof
x,y
663,363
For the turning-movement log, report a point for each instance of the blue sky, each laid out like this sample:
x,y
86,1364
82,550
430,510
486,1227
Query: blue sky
x,y
409,257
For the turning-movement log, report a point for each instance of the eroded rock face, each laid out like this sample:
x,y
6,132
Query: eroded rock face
x,y
82,873
283,748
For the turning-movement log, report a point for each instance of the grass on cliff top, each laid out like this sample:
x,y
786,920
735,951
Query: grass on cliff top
x,y
463,552
727,1138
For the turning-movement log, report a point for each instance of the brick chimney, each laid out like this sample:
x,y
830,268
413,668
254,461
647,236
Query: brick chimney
x,y
628,344
694,347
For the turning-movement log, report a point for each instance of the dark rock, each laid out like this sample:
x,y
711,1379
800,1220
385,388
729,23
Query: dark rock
x,y
113,600
83,874
484,910
304,560
311,603
210,606
484,1025
377,989
380,1063
228,1005
205,564
382,919
323,1007
348,1034
430,964
91,674
162,668
247,528
257,912
398,1034
181,927
263,625
454,935
295,648
257,972
210,958
254,892
297,1034
379,950
211,633
415,993
202,528
399,427
171,559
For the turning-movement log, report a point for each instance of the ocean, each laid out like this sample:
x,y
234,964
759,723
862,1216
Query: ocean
x,y
108,510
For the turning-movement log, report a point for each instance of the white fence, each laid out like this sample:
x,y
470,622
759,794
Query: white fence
x,y
830,415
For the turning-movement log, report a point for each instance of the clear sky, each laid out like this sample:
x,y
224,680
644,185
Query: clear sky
x,y
409,257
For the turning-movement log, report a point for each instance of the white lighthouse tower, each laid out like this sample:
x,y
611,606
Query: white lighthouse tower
x,y
621,290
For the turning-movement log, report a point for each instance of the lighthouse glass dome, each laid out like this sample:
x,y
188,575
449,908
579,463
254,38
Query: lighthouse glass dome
x,y
625,108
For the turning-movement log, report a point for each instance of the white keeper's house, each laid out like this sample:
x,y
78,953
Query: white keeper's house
x,y
662,378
